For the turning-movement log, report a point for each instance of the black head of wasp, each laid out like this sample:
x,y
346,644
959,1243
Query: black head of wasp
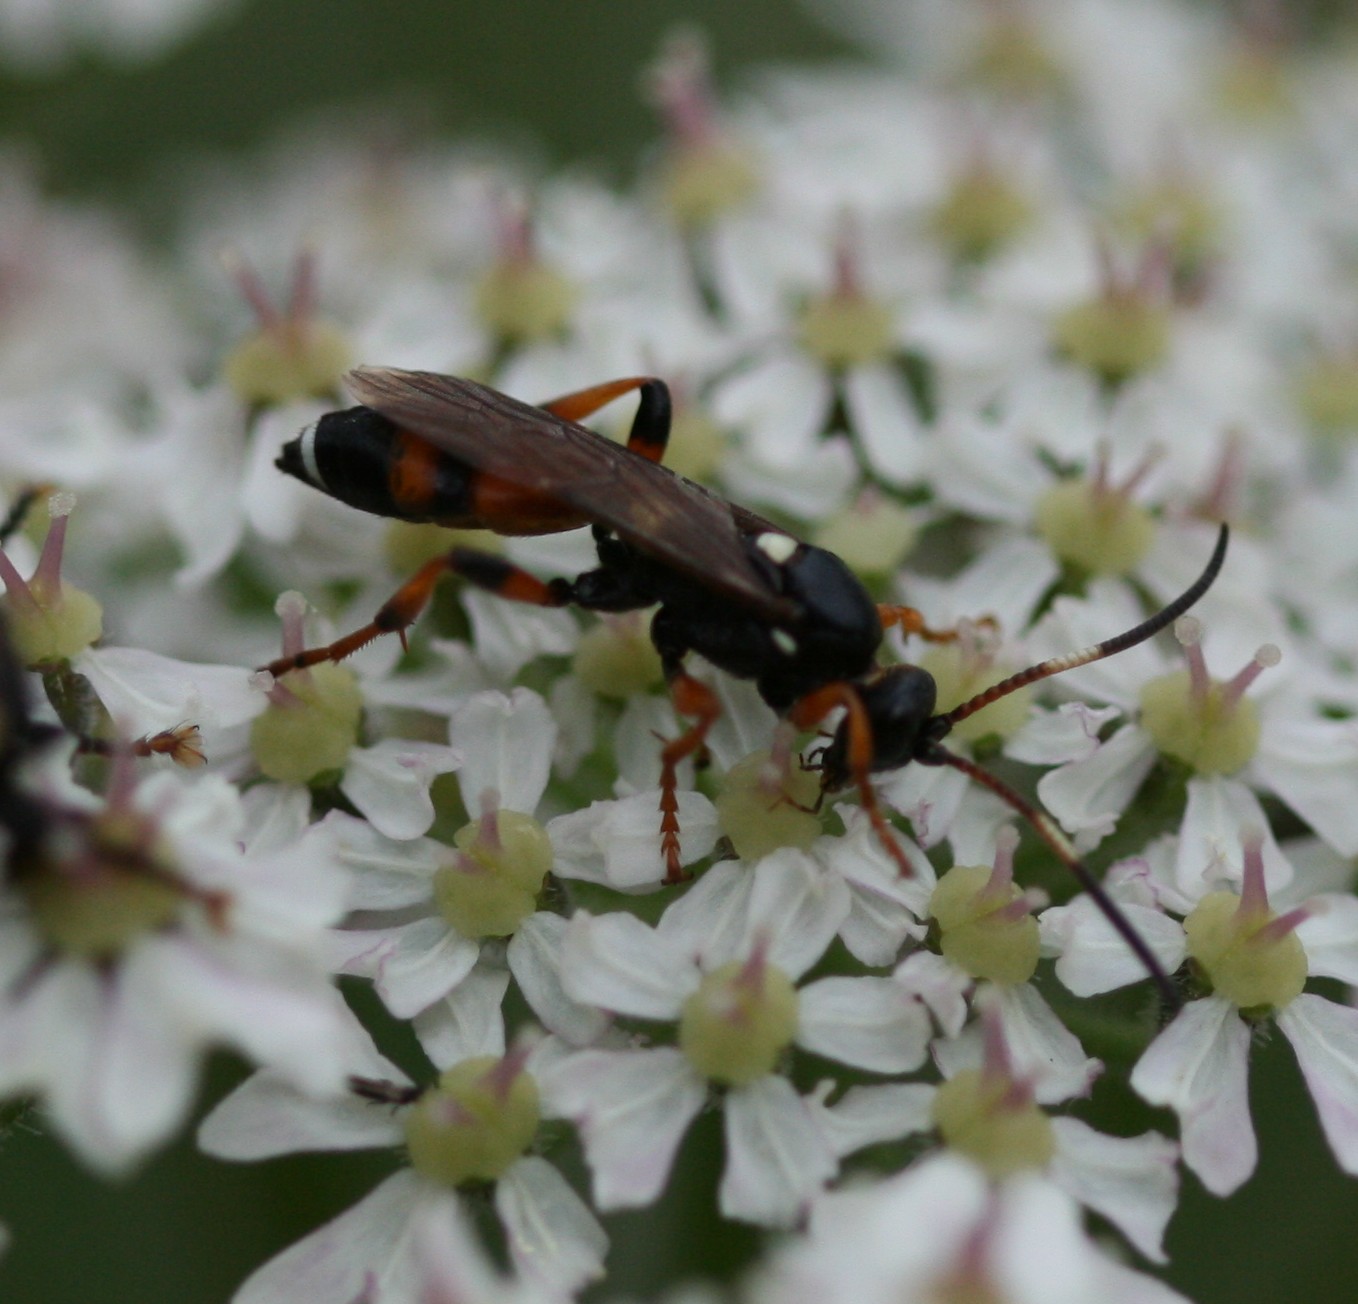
x,y
740,591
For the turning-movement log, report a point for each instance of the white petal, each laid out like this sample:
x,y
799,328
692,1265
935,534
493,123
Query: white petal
x,y
1313,766
1093,957
507,744
145,691
389,783
940,985
1198,1067
618,842
508,635
1219,813
1040,1046
777,1156
796,908
1089,796
412,966
709,922
871,1023
884,420
367,1250
535,961
553,1237
1131,1181
386,873
615,962
867,1115
1069,733
468,1021
1325,1038
1330,936
632,1109
266,1116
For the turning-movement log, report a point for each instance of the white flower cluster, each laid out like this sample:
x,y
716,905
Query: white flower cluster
x,y
1011,327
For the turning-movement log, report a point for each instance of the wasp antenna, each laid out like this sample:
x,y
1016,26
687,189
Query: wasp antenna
x,y
1109,647
1047,830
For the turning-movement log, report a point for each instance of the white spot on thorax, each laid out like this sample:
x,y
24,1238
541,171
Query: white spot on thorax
x,y
786,644
776,547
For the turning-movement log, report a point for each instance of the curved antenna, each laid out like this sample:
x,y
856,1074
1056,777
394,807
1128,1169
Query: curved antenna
x,y
1048,831
1109,647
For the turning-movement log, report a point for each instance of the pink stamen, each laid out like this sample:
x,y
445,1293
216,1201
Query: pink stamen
x,y
1276,929
488,833
501,1075
1001,878
1253,890
16,586
1265,658
679,86
848,278
751,975
514,230
1188,630
302,300
46,579
252,290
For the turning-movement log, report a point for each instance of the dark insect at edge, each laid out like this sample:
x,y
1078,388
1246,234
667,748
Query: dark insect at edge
x,y
729,585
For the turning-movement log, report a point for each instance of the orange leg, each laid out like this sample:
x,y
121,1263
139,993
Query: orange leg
x,y
695,699
403,608
651,425
911,621
809,711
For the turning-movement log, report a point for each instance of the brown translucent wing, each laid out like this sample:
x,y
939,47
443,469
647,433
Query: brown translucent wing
x,y
653,509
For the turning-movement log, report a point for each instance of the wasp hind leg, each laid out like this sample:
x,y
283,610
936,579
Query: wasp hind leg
x,y
400,611
650,427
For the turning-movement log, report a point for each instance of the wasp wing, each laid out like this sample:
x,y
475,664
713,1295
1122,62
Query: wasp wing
x,y
649,506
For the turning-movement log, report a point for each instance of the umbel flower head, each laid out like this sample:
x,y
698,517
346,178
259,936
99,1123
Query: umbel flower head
x,y
1014,376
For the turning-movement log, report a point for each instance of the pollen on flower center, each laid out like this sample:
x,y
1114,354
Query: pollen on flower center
x,y
739,1021
492,886
480,1118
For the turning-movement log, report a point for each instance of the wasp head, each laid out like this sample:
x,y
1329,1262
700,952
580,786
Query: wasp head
x,y
899,704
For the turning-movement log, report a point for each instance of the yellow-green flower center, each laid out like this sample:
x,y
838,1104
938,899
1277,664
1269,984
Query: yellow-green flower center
x,y
763,806
1256,968
872,537
1327,392
979,930
494,885
520,300
738,1022
985,1117
960,673
1214,732
846,329
1101,531
617,659
474,1125
982,212
313,733
120,888
1116,335
56,626
286,361
700,184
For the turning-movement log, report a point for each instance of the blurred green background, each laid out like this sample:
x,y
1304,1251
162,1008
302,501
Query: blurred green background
x,y
558,80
